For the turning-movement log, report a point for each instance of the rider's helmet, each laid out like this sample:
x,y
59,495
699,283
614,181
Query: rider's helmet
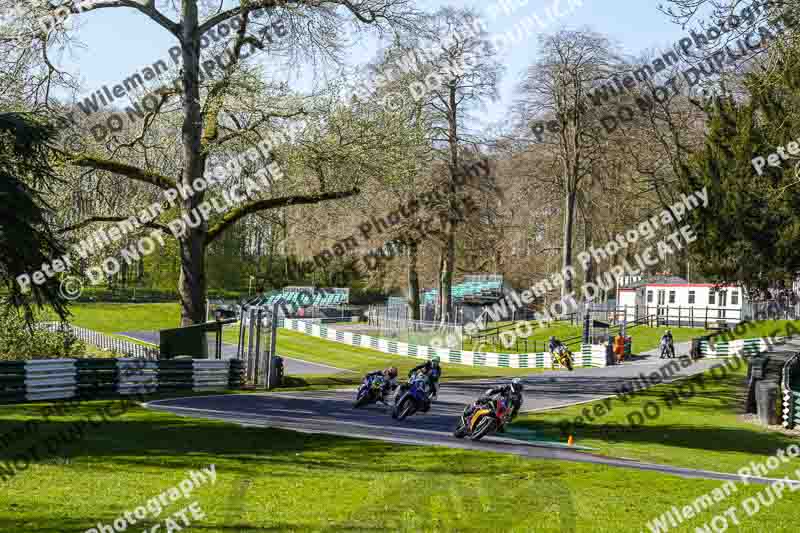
x,y
668,332
435,360
516,385
391,372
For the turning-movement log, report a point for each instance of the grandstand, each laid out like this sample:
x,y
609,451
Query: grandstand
x,y
475,289
305,297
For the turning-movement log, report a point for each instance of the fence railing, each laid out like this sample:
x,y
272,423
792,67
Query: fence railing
x,y
707,317
103,341
791,397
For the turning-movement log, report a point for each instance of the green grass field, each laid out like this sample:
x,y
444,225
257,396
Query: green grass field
x,y
117,317
762,329
706,430
274,480
363,360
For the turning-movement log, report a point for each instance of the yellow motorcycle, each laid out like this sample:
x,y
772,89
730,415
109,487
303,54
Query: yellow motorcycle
x,y
563,357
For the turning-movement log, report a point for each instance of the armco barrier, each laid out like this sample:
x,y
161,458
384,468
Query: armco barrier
x,y
137,376
595,357
51,379
742,347
12,381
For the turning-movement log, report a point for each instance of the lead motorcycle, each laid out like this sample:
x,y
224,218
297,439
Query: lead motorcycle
x,y
370,391
563,356
482,418
412,397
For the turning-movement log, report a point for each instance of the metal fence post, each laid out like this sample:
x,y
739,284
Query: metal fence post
x,y
258,346
250,345
273,337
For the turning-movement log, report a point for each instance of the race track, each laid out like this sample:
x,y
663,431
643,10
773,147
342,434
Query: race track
x,y
331,412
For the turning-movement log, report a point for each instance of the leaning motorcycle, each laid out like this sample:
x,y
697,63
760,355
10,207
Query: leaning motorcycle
x,y
564,358
370,391
411,398
482,418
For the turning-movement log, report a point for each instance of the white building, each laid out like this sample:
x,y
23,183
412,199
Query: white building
x,y
677,302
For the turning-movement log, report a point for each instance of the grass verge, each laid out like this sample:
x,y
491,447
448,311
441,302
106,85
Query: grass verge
x,y
704,430
363,360
274,480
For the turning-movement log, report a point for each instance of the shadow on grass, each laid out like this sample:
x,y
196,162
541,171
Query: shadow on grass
x,y
709,419
145,438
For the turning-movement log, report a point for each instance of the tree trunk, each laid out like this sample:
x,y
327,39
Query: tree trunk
x,y
566,252
192,284
448,252
413,281
448,265
587,245
438,311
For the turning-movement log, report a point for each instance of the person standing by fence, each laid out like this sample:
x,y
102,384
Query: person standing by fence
x,y
667,345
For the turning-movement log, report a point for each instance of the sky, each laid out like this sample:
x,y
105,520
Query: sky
x,y
118,42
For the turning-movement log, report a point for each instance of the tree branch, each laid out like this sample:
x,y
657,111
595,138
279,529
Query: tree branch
x,y
148,8
123,169
362,13
92,220
272,203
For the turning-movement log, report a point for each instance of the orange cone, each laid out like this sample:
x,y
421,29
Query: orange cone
x,y
570,441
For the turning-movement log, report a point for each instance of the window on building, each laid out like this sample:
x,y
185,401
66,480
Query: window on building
x,y
649,297
711,297
691,297
734,297
672,297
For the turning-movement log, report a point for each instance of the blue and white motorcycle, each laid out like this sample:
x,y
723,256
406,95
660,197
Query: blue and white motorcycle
x,y
412,397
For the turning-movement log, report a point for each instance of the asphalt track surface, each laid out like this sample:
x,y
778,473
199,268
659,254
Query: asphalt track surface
x,y
291,366
331,412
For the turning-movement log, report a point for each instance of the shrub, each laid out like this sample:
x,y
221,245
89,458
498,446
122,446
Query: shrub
x,y
20,342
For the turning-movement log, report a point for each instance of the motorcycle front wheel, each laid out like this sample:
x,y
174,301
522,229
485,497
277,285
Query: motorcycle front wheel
x,y
404,408
484,426
461,430
361,400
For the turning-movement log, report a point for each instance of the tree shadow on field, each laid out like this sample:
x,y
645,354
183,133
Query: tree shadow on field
x,y
694,407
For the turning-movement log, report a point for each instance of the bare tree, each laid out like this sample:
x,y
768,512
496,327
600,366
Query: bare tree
x,y
557,90
459,74
208,109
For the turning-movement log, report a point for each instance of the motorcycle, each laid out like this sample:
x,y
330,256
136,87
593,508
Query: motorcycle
x,y
564,358
411,398
482,418
667,350
370,391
